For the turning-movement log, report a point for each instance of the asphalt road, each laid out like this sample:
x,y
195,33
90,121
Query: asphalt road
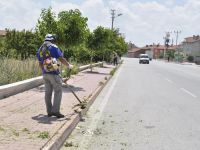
x,y
144,107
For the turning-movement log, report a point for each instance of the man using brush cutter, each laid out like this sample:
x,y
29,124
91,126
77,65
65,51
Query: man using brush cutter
x,y
47,55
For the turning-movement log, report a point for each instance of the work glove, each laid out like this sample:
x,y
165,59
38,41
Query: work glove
x,y
70,66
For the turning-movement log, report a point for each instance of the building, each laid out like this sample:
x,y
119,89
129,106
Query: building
x,y
154,51
2,33
191,47
135,52
132,48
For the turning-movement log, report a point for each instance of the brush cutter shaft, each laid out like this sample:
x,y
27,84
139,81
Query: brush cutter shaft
x,y
73,93
64,81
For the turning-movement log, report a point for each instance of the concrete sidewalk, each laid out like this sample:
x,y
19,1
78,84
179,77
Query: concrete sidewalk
x,y
24,124
175,62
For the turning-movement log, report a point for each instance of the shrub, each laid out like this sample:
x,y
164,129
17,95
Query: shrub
x,y
190,58
13,70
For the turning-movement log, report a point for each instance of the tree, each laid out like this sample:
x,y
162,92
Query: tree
x,y
98,41
72,30
170,53
73,27
20,44
104,41
72,36
46,23
2,46
121,46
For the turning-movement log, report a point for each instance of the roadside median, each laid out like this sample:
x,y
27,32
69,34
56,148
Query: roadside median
x,y
24,123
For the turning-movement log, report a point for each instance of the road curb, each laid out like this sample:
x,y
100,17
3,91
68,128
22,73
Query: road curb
x,y
63,133
21,86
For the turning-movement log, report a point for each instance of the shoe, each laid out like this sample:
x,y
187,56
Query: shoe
x,y
49,114
58,115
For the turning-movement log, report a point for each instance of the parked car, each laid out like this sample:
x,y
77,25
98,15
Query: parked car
x,y
144,59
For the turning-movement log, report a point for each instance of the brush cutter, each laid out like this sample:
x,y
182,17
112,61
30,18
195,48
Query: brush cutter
x,y
82,104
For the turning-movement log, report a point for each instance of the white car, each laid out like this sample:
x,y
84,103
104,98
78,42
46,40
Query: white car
x,y
144,59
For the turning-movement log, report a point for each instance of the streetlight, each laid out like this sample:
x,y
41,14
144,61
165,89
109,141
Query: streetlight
x,y
114,16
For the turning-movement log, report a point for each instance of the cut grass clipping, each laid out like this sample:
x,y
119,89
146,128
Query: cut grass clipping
x,y
15,133
70,144
112,72
2,129
44,135
101,83
83,104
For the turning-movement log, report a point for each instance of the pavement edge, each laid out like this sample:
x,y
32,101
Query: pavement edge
x,y
63,133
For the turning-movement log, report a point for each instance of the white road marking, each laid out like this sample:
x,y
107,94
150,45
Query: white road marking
x,y
95,119
188,92
170,81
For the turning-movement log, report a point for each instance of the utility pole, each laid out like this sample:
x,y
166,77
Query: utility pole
x,y
113,16
177,33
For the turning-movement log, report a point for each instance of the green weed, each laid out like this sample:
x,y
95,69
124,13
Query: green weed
x,y
123,143
90,96
112,72
2,129
44,135
67,72
68,144
101,83
15,133
26,130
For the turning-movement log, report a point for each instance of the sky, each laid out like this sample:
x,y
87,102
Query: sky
x,y
142,22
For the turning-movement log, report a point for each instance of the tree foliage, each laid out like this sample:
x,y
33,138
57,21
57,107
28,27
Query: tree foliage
x,y
20,44
104,42
2,47
170,53
72,32
72,36
46,23
72,27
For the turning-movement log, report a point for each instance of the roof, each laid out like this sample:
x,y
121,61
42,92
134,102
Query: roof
x,y
153,47
2,32
192,39
134,50
174,47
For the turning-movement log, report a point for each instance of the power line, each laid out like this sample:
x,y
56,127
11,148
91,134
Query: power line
x,y
113,16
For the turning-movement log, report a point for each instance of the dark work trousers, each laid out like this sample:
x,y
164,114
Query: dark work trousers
x,y
52,83
115,61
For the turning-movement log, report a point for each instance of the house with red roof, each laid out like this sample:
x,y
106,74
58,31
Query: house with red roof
x,y
155,51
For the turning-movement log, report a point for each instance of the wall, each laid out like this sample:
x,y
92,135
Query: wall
x,y
192,49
